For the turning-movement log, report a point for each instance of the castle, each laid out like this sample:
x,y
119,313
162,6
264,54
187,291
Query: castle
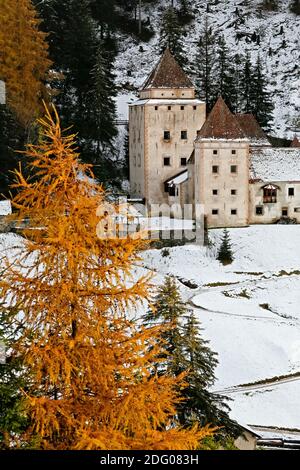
x,y
224,162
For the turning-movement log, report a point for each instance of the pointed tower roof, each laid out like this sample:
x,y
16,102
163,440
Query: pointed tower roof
x,y
295,142
252,130
221,124
167,74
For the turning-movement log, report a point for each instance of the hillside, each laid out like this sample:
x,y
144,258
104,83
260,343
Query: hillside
x,y
237,20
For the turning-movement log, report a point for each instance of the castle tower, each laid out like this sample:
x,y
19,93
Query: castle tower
x,y
163,125
221,169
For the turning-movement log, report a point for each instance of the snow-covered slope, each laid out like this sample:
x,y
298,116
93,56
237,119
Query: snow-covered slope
x,y
250,313
279,32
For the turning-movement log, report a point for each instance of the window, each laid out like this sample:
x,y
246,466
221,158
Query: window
x,y
183,161
215,192
233,192
183,135
194,108
297,209
156,108
215,211
291,191
269,194
167,135
233,152
169,108
233,169
233,212
215,169
167,161
284,212
259,210
182,108
215,152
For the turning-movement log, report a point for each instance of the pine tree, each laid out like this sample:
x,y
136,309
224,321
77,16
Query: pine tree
x,y
171,35
225,254
102,105
13,419
262,106
24,61
206,66
185,352
237,92
225,85
92,383
295,7
12,139
201,405
270,5
247,86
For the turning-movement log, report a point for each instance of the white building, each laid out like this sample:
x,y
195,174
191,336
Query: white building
x,y
223,162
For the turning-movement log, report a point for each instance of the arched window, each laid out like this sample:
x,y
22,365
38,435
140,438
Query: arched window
x,y
270,193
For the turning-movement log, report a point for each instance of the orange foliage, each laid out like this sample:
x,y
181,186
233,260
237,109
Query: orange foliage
x,y
23,58
94,384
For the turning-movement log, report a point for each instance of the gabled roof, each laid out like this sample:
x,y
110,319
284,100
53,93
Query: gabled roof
x,y
295,142
221,124
252,129
167,74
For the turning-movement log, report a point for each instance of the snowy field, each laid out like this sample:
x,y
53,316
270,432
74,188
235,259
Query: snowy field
x,y
250,312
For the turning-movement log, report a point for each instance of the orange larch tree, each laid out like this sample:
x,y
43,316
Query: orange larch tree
x,y
93,380
24,61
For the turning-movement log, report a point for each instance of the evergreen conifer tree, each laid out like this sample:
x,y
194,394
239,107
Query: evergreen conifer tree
x,y
205,70
262,106
247,86
187,353
225,255
13,420
236,99
171,35
225,85
295,7
12,138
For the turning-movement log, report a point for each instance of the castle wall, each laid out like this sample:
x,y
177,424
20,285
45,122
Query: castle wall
x,y
223,209
149,147
137,150
168,93
271,212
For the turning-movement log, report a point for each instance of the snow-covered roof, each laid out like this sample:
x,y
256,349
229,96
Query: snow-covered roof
x,y
178,179
275,164
5,208
174,102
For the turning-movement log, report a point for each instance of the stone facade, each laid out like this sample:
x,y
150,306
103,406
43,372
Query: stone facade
x,y
223,162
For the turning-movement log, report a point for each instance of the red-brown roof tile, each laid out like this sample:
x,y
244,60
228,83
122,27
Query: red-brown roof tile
x,y
167,74
221,124
295,142
251,127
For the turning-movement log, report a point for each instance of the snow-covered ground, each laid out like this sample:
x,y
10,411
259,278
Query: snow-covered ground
x,y
250,313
